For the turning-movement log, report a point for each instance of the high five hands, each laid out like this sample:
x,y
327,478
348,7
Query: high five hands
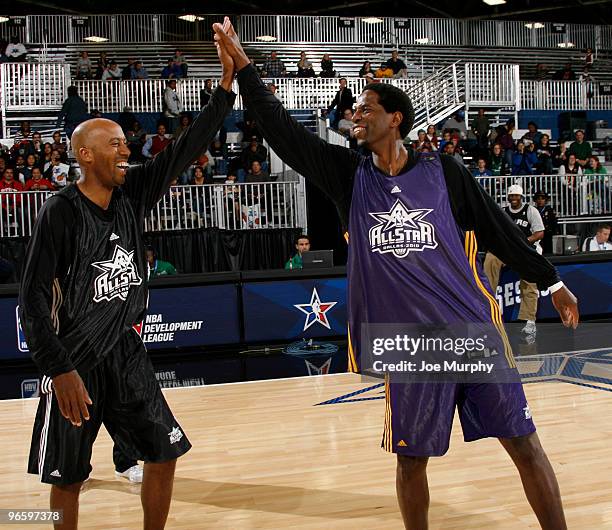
x,y
229,49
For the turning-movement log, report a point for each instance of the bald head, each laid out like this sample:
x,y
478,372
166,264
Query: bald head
x,y
91,133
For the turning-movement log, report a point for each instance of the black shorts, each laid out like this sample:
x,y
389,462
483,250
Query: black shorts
x,y
126,398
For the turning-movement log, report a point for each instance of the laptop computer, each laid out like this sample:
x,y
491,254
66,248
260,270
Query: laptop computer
x,y
318,259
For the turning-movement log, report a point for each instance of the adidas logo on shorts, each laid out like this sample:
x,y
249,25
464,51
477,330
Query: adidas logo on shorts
x,y
401,443
56,473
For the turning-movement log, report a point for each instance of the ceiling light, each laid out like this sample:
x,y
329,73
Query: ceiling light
x,y
372,20
4,19
94,38
266,38
191,18
494,2
535,25
566,45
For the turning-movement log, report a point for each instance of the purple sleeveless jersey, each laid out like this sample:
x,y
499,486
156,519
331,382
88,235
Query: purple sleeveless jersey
x,y
409,262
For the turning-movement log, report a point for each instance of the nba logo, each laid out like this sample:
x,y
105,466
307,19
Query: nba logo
x,y
21,342
30,388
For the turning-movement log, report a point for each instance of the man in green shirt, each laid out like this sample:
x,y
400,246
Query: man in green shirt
x,y
158,267
580,148
302,244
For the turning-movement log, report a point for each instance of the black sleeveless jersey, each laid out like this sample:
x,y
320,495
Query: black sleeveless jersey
x,y
520,219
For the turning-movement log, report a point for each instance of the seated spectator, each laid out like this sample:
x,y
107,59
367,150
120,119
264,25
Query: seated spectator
x,y
35,147
432,137
384,72
19,168
505,139
181,62
24,132
126,119
73,111
112,73
15,51
250,208
136,138
47,153
446,138
581,149
346,124
157,267
481,170
304,66
30,164
449,149
274,67
84,68
156,144
545,156
126,73
532,135
56,171
397,65
456,123
594,167
58,144
366,70
206,93
541,73
497,163
200,177
257,174
254,152
184,123
422,142
569,169
8,184
139,71
600,241
101,65
549,218
302,245
597,189
565,74
523,160
37,182
171,70
327,67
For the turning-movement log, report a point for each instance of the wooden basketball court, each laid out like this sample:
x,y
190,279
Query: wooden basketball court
x,y
266,456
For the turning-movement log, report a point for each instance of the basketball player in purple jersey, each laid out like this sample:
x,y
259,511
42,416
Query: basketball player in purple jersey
x,y
432,279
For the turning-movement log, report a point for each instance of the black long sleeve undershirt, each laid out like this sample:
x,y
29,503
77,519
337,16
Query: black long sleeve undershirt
x,y
332,168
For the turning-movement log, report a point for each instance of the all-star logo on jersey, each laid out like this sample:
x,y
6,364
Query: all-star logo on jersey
x,y
119,274
401,231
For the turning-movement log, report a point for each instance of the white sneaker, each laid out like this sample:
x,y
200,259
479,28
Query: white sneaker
x,y
529,328
133,474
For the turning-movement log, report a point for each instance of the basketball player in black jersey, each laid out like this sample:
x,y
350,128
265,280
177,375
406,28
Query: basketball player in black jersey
x,y
83,288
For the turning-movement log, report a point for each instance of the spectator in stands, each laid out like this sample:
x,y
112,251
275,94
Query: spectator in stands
x,y
481,170
139,71
56,171
532,134
199,176
171,70
112,73
545,156
569,169
254,152
101,65
206,93
73,112
422,142
181,62
565,74
47,152
19,167
84,68
157,267
257,174
136,138
304,66
37,182
2,165
481,127
549,218
20,148
342,100
597,188
172,105
35,147
506,140
24,131
456,123
156,144
184,123
366,70
600,241
497,164
15,51
397,65
449,149
126,119
588,60
126,73
274,67
446,139
30,164
302,245
581,149
272,88
346,124
327,67
58,144
9,184
541,72
432,137
523,160
384,71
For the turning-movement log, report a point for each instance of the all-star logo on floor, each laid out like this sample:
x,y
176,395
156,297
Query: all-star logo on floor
x,y
119,275
401,231
315,310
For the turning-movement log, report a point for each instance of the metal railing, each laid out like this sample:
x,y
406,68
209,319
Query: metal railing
x,y
33,86
563,95
228,206
488,83
570,195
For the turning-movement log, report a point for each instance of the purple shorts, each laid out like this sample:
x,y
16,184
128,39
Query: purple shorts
x,y
419,416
